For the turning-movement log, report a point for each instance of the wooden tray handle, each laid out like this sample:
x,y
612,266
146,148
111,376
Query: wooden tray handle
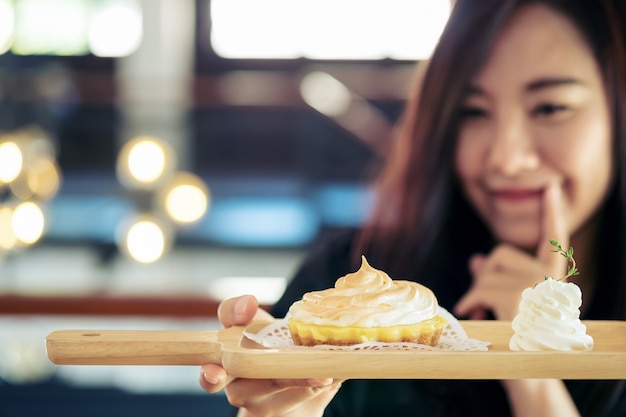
x,y
139,347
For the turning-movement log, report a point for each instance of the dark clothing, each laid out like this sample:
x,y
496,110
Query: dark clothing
x,y
441,398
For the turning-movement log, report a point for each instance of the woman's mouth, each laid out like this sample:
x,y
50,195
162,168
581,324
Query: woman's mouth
x,y
517,195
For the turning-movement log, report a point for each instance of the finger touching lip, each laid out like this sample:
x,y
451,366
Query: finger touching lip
x,y
554,225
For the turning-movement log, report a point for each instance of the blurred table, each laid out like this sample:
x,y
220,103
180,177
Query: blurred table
x,y
96,305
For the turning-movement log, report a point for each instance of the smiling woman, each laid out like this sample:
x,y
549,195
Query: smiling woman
x,y
513,136
524,127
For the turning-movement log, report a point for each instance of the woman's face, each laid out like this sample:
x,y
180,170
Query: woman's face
x,y
536,113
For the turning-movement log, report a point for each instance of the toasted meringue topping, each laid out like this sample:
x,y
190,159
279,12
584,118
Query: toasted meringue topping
x,y
367,298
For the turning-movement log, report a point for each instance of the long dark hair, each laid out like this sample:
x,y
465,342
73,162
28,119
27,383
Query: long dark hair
x,y
419,207
421,213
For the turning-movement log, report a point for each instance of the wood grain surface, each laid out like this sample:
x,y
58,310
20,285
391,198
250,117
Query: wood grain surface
x,y
244,358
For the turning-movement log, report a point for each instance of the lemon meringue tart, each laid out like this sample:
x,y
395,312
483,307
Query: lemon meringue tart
x,y
366,306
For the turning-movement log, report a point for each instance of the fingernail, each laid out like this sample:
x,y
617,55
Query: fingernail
x,y
240,307
211,380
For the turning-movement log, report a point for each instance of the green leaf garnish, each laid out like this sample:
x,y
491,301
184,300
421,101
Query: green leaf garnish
x,y
567,254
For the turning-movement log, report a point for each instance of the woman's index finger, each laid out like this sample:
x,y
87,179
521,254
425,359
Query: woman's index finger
x,y
554,227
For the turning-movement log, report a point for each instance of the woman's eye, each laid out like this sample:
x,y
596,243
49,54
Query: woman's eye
x,y
470,112
549,109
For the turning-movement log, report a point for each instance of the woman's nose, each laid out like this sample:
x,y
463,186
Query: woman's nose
x,y
513,148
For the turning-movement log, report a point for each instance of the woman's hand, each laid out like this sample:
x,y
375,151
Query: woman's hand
x,y
500,277
264,397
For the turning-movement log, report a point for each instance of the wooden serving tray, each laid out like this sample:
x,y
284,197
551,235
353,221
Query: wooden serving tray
x,y
242,357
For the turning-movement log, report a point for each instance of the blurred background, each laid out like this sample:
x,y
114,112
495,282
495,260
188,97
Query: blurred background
x,y
158,156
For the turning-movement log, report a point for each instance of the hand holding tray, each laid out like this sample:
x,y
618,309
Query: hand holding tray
x,y
244,358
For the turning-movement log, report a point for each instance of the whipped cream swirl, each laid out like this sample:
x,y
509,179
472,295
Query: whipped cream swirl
x,y
549,319
367,298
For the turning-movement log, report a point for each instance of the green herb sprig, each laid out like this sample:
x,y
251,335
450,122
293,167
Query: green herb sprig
x,y
569,255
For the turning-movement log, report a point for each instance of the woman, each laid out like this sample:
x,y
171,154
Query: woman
x,y
517,135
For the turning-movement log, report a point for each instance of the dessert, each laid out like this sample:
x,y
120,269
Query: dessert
x,y
549,315
366,306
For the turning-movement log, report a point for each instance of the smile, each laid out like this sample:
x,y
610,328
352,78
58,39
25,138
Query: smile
x,y
513,195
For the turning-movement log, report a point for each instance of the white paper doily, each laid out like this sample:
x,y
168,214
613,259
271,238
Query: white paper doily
x,y
276,336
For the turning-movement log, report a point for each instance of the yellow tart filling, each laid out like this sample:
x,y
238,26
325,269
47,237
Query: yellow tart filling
x,y
425,332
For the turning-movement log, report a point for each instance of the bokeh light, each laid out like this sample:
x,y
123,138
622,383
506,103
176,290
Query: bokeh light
x,y
396,29
40,179
28,222
145,162
29,176
44,178
19,186
144,239
116,30
50,27
107,28
185,199
7,25
325,93
22,359
186,203
8,240
11,161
